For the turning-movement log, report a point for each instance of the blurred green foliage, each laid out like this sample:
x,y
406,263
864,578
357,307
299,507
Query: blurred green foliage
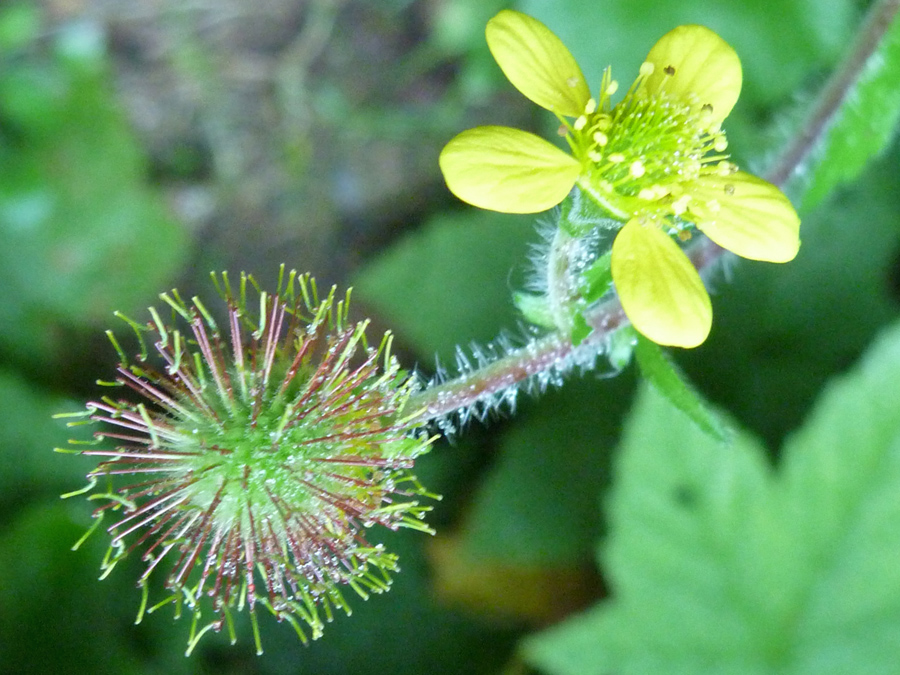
x,y
82,231
716,561
708,551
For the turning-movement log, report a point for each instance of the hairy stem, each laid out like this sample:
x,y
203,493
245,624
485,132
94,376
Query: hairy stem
x,y
555,352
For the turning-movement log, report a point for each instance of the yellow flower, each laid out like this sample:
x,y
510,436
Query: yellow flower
x,y
653,160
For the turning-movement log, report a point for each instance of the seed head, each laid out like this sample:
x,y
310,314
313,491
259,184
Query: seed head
x,y
249,462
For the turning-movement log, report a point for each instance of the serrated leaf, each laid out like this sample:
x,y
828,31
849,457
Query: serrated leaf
x,y
841,504
717,566
865,125
667,379
571,648
681,501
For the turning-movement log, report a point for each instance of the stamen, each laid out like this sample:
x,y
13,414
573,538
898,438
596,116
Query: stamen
x,y
649,145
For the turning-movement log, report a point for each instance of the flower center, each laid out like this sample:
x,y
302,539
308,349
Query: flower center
x,y
636,156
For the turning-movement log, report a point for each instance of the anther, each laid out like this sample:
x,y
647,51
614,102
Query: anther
x,y
646,69
612,88
580,123
600,138
637,169
720,144
669,70
729,189
617,158
590,106
707,108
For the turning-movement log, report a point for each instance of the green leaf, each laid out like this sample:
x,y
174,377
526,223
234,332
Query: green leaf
x,y
579,214
27,438
571,648
448,283
717,565
83,233
681,502
535,309
538,504
865,125
622,344
668,380
580,329
596,280
406,631
841,505
49,590
20,23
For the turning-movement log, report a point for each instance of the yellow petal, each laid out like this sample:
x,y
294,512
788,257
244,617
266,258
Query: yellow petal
x,y
707,71
746,215
537,63
507,170
659,288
